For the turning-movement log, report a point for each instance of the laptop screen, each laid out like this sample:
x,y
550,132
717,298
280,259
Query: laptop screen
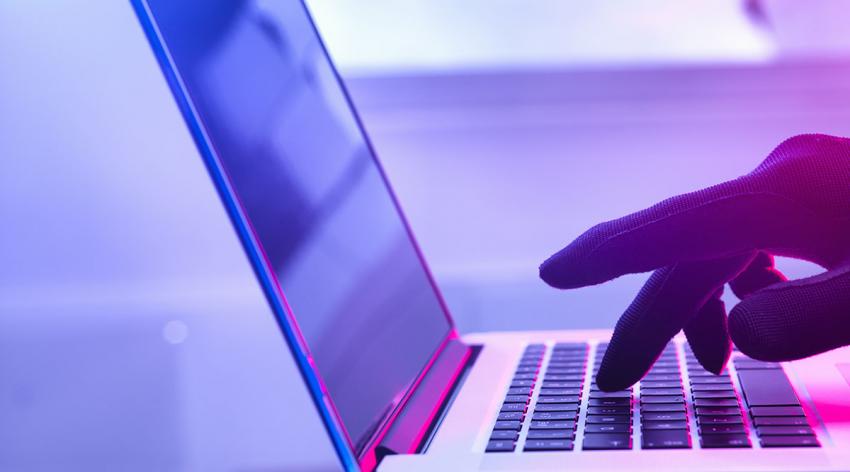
x,y
269,100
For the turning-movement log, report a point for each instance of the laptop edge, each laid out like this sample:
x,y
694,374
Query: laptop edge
x,y
404,429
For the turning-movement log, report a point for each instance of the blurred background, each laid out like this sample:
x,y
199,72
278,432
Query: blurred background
x,y
132,333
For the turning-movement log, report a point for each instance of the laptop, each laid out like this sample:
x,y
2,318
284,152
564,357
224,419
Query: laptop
x,y
397,387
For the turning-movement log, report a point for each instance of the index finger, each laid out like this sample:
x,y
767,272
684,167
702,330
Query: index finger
x,y
666,303
730,218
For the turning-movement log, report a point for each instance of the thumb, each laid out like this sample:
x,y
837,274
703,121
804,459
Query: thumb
x,y
795,319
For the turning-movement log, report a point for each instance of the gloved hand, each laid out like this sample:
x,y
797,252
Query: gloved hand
x,y
796,204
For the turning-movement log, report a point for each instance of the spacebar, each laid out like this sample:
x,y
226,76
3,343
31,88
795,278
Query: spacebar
x,y
767,388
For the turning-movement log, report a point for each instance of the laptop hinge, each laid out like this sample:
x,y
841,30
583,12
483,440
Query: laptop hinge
x,y
414,422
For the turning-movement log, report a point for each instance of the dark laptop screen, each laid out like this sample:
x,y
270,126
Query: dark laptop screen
x,y
308,182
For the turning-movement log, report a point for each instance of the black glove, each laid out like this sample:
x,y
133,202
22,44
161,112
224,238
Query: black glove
x,y
796,204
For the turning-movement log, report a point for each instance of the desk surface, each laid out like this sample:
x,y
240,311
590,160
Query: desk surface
x,y
165,387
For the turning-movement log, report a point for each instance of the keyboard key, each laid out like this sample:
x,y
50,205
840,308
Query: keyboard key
x,y
609,410
522,383
516,398
554,415
664,377
664,416
595,442
648,407
659,391
618,394
548,384
722,429
557,351
564,377
608,419
570,351
519,391
651,425
718,411
571,346
780,421
717,380
572,365
693,373
663,399
607,428
504,434
560,399
548,445
711,441
609,401
716,394
568,358
751,364
666,361
712,387
559,392
552,425
511,416
671,439
551,434
776,411
500,446
556,407
570,362
767,388
513,407
703,420
511,425
789,441
661,384
729,402
526,370
664,371
555,370
785,431
528,376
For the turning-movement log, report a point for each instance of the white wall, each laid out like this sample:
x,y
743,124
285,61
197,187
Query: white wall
x,y
101,184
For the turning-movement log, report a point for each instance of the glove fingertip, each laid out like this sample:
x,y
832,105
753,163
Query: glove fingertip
x,y
745,334
550,274
708,335
566,270
608,381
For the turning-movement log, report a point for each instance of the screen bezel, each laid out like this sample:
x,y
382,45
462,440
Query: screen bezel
x,y
350,458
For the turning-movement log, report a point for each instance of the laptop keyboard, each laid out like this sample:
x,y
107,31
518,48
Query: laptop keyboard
x,y
549,407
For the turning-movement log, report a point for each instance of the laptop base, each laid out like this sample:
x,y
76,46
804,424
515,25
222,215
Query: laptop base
x,y
465,432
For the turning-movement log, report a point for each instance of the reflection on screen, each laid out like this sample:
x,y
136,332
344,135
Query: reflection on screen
x,y
271,104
